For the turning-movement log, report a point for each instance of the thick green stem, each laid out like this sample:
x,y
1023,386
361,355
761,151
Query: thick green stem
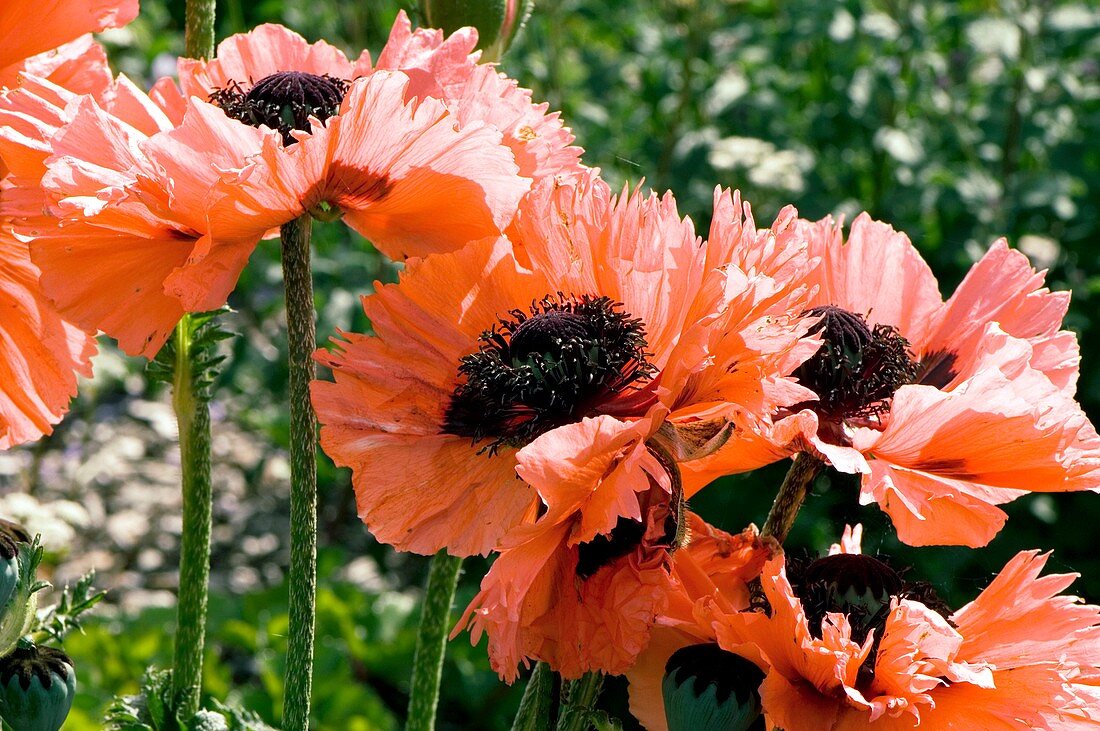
x,y
792,493
578,698
302,341
198,33
193,418
431,641
534,708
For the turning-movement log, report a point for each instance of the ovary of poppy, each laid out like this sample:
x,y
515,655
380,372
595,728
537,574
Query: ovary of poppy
x,y
980,410
477,359
1020,656
31,32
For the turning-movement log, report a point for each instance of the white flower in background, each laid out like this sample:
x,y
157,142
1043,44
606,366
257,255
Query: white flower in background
x,y
57,521
764,164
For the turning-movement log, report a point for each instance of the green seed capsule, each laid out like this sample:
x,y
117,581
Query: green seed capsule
x,y
37,687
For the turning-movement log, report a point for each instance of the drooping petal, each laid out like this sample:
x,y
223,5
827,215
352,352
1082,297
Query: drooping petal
x,y
931,509
41,355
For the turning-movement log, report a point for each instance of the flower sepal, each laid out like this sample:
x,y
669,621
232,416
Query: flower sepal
x,y
19,614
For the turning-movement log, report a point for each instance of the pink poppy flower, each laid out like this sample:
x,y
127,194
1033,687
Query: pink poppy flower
x,y
464,380
871,652
946,409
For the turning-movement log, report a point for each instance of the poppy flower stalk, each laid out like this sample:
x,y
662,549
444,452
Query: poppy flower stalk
x,y
431,641
792,493
301,342
578,701
534,707
190,401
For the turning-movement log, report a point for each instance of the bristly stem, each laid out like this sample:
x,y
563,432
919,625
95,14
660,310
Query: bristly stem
x,y
578,698
792,493
302,341
431,641
534,708
198,29
193,418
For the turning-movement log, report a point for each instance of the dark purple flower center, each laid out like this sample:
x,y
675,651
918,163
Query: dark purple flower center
x,y
858,368
284,101
545,367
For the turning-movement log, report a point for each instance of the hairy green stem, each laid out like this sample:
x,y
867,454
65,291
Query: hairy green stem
x,y
198,30
302,341
578,698
791,495
534,708
193,418
431,641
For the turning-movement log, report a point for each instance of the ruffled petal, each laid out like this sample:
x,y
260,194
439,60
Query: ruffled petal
x,y
932,510
878,274
28,27
41,355
267,49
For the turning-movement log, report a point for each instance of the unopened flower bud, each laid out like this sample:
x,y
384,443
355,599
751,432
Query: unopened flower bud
x,y
496,21
706,687
37,686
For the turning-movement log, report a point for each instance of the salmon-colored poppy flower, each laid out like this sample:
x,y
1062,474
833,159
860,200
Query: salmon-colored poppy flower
x,y
946,409
480,366
32,32
175,250
41,354
438,66
100,224
473,142
713,566
846,645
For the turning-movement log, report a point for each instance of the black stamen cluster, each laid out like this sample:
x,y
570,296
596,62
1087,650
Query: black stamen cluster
x,y
854,584
545,367
858,368
860,587
284,101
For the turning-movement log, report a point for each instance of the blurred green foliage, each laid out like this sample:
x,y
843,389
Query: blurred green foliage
x,y
957,122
